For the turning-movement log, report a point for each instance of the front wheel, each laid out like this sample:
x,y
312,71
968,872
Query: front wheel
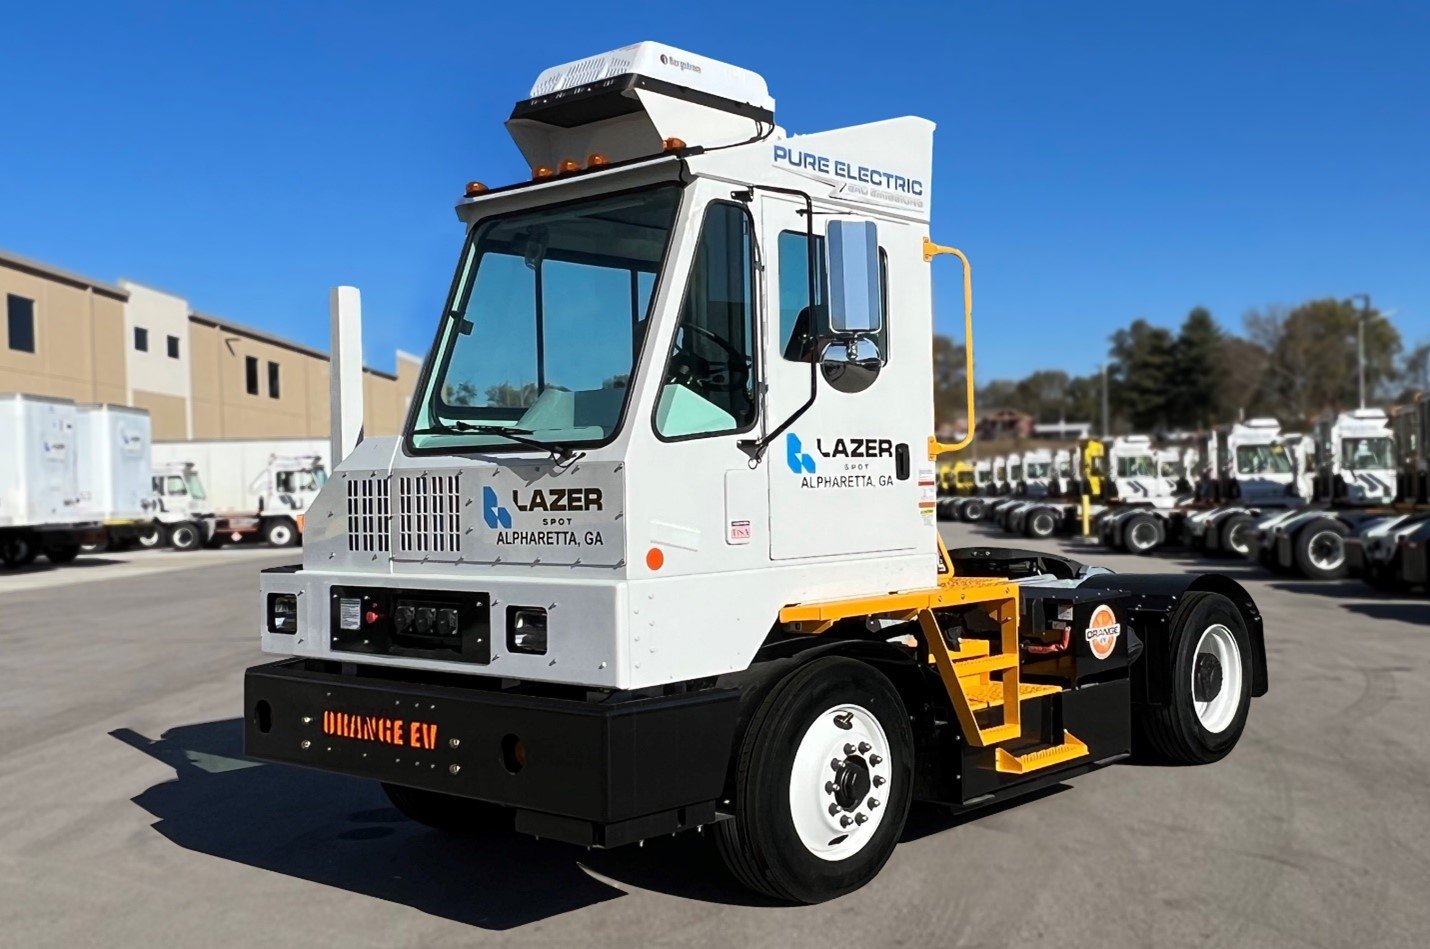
x,y
1320,551
1142,535
185,535
1209,683
974,511
823,783
280,532
1236,536
1041,524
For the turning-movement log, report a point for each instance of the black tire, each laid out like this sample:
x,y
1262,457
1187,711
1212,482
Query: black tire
x,y
61,553
1234,541
1041,523
1142,534
1175,731
1319,550
154,536
280,532
18,551
186,535
216,540
447,812
761,845
974,511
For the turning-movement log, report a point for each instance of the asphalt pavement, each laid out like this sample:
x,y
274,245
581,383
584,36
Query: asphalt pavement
x,y
131,818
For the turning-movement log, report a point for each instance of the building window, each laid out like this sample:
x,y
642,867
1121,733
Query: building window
x,y
273,380
173,347
141,339
20,315
250,365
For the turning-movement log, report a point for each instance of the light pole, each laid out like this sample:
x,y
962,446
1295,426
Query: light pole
x,y
1106,430
1360,341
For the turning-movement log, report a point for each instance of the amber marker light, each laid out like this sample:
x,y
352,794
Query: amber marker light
x,y
673,144
541,171
475,188
596,160
567,166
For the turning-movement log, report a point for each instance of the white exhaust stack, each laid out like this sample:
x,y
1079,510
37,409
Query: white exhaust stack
x,y
345,374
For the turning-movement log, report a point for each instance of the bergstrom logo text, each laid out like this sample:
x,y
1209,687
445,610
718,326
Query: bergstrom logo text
x,y
681,64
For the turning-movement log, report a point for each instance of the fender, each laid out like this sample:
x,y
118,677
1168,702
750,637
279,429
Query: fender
x,y
1156,596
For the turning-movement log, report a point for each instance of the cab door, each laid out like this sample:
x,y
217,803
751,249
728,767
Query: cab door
x,y
844,477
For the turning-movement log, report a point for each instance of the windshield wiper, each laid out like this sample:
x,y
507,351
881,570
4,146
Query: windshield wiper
x,y
559,452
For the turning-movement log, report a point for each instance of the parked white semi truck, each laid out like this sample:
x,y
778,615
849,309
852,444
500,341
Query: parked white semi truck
x,y
257,488
656,547
41,507
183,513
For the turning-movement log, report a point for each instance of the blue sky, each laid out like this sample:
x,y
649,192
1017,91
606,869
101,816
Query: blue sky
x,y
1098,161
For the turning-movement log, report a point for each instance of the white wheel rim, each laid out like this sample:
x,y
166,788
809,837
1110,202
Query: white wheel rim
x,y
818,782
183,537
1327,550
1043,525
151,539
1143,536
279,535
1236,538
1217,664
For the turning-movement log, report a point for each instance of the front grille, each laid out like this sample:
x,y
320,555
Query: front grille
x,y
369,515
429,517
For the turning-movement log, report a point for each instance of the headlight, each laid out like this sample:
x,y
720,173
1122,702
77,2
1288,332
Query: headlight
x,y
283,613
526,629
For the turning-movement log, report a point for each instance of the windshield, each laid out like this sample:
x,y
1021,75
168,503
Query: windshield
x,y
1169,469
196,487
547,313
1262,459
1038,470
307,480
1134,466
1363,453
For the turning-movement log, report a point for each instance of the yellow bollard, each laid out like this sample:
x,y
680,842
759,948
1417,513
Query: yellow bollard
x,y
1086,516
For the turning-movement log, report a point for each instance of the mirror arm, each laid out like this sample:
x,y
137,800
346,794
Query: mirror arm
x,y
932,250
756,447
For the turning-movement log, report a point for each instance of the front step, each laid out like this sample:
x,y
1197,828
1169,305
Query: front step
x,y
1040,758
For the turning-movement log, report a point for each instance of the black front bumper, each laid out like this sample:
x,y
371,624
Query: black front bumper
x,y
599,773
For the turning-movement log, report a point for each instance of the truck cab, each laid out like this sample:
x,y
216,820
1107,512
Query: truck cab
x,y
183,514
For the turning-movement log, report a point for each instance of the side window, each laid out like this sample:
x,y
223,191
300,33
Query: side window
x,y
176,486
709,384
797,338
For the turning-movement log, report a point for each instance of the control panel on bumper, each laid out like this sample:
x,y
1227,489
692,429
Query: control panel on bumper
x,y
601,773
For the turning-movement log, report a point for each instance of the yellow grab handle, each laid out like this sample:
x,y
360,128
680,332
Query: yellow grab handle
x,y
932,250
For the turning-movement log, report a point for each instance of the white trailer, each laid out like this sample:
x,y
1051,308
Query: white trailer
x,y
256,488
41,508
112,446
678,566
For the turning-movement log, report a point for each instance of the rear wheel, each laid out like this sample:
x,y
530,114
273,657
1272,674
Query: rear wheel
x,y
61,553
185,535
1209,651
447,812
975,510
1320,550
1042,523
823,781
17,551
1142,535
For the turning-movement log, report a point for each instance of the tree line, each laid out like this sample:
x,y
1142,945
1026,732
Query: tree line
x,y
1290,363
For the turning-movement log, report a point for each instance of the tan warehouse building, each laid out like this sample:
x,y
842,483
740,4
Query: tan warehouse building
x,y
199,376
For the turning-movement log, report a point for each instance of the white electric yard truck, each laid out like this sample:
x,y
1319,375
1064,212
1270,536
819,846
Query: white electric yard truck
x,y
656,548
183,514
1253,470
258,489
1354,475
41,508
112,472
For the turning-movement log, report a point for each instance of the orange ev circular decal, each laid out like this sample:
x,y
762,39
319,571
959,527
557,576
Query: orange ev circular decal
x,y
1103,631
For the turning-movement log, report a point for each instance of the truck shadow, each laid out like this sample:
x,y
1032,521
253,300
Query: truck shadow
x,y
343,833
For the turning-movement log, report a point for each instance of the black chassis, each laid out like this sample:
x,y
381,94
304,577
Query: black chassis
x,y
605,768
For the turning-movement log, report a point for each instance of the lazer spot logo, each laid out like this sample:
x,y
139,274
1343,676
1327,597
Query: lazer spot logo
x,y
799,460
1103,631
492,512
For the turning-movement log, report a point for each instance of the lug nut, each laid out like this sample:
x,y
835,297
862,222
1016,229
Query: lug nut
x,y
878,780
875,759
845,821
873,803
828,787
849,749
833,809
837,764
864,747
861,818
